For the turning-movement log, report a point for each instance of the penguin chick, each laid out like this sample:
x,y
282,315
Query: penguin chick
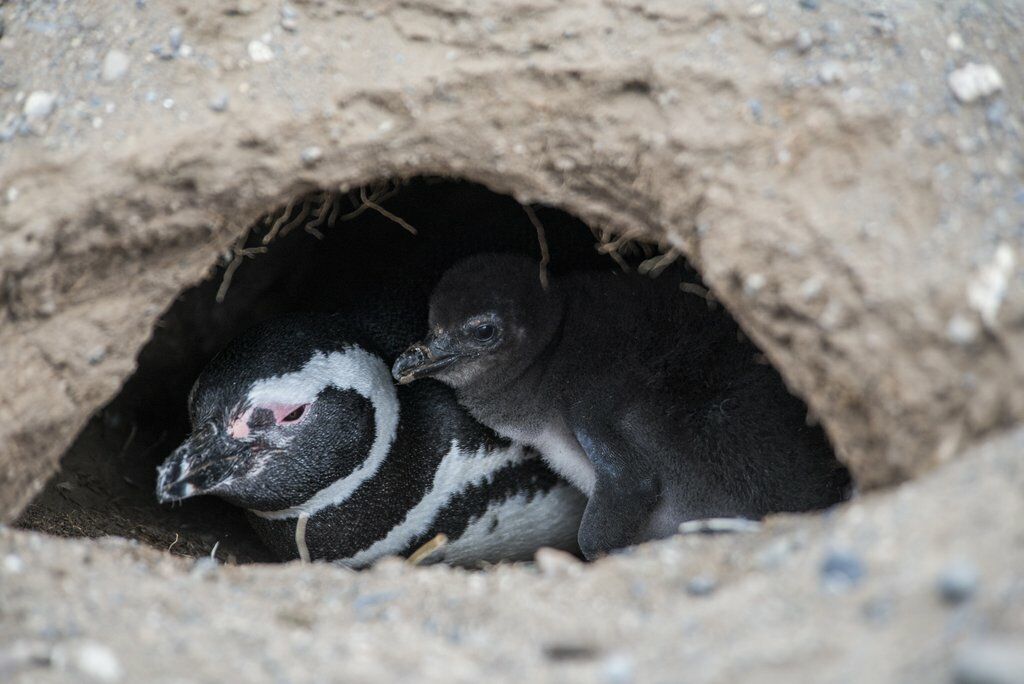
x,y
299,422
642,397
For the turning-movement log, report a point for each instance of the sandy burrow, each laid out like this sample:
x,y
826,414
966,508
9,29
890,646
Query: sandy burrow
x,y
117,611
861,223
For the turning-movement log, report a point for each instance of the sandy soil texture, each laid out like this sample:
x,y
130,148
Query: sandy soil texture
x,y
846,176
921,584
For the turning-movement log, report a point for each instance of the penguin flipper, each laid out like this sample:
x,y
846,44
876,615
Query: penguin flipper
x,y
624,497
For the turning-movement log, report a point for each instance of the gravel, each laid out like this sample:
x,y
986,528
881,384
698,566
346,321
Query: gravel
x,y
975,82
260,52
701,585
39,105
219,102
992,660
115,66
90,659
311,155
958,582
841,570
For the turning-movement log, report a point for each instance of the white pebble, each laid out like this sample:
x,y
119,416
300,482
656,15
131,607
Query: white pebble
x,y
260,52
556,562
13,564
831,72
89,658
753,284
311,155
962,330
955,42
987,289
115,66
974,82
39,105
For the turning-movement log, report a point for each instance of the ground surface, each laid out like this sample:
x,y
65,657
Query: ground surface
x,y
846,188
851,596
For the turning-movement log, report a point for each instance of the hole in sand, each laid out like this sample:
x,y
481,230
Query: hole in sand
x,y
321,252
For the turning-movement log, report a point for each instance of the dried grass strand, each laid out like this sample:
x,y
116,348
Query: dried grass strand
x,y
425,551
542,240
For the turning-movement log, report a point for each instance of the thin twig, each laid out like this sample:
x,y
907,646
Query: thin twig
x,y
269,237
225,282
376,196
384,212
422,553
545,256
295,223
655,265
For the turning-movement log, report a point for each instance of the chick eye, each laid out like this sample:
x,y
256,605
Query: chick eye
x,y
484,332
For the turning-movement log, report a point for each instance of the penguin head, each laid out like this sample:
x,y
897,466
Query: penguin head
x,y
489,317
286,410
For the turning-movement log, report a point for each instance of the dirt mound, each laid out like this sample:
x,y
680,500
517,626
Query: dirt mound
x,y
814,164
847,180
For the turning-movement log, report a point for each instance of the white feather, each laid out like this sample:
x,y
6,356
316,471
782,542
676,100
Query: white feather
x,y
457,471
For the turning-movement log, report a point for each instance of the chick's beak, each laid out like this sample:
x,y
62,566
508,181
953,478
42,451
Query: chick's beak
x,y
423,359
202,462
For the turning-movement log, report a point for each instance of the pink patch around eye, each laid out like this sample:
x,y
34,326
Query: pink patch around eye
x,y
239,428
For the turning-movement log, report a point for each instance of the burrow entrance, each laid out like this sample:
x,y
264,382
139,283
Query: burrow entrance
x,y
322,251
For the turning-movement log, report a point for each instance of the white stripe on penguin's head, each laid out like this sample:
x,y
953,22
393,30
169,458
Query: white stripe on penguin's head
x,y
352,369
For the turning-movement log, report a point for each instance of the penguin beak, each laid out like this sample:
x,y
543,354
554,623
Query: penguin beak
x,y
422,359
205,460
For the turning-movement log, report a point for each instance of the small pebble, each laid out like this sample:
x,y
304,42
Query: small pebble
x,y
831,72
990,661
92,659
962,330
841,571
115,66
974,82
756,110
811,5
96,355
617,669
556,562
957,582
753,284
997,113
311,155
204,566
804,41
955,42
719,526
219,102
39,105
701,585
260,52
175,38
13,564
289,18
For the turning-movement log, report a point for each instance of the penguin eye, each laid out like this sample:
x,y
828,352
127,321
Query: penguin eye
x,y
294,415
484,332
287,415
